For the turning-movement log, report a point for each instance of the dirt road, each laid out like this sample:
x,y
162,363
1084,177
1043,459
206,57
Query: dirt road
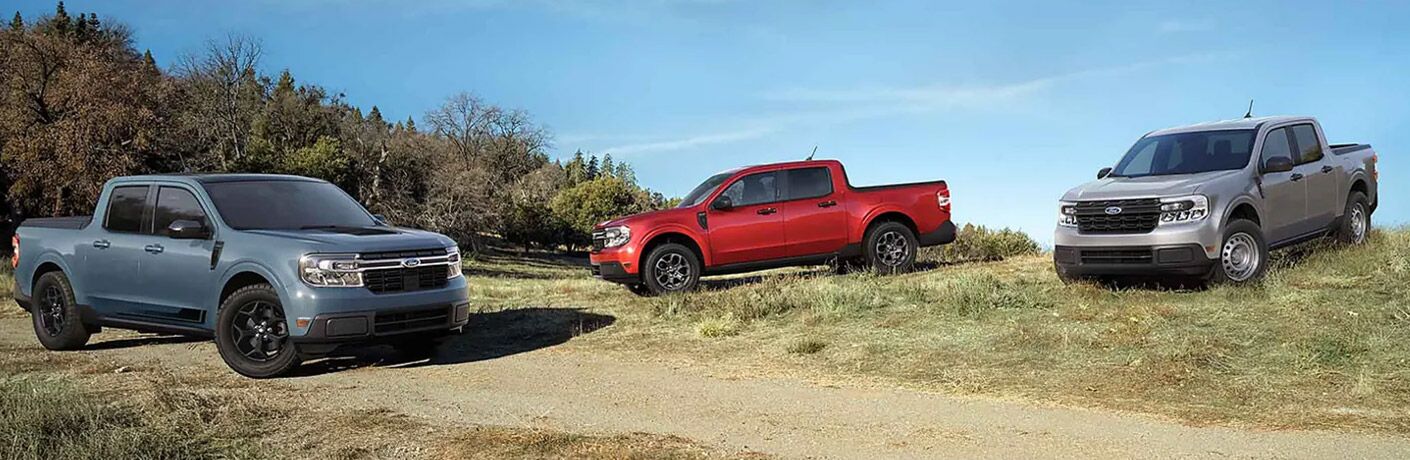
x,y
547,383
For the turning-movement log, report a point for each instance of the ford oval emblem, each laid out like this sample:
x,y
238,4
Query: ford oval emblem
x,y
1114,210
408,263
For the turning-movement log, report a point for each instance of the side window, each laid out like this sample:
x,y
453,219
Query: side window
x,y
125,207
753,189
175,204
1275,145
1308,146
808,183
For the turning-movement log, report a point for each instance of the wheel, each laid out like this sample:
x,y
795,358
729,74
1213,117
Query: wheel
x,y
1355,221
639,289
252,334
1243,256
671,268
890,247
57,321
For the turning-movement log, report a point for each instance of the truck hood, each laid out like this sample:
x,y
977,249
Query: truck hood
x,y
370,239
658,215
1113,188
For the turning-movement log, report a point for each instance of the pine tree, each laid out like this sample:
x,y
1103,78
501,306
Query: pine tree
x,y
375,116
608,169
93,23
592,170
410,124
576,169
80,28
61,18
17,24
148,60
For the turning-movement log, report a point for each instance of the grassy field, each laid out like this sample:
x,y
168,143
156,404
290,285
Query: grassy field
x,y
1323,342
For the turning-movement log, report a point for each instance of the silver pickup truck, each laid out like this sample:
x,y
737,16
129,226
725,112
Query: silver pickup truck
x,y
1210,200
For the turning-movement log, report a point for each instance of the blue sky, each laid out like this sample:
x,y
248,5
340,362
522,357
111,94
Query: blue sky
x,y
1011,102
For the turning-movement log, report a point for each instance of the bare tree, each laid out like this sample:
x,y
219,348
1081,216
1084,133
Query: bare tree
x,y
222,91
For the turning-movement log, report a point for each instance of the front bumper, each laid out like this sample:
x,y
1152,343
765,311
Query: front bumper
x,y
617,265
365,326
1204,234
1179,259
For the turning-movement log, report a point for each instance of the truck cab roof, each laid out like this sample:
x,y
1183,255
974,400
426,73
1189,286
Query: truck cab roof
x,y
1238,123
207,178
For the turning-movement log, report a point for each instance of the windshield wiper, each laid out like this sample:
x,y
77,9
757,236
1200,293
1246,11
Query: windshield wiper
x,y
319,227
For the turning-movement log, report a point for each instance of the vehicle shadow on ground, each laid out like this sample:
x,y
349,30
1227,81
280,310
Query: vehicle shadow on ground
x,y
488,336
133,342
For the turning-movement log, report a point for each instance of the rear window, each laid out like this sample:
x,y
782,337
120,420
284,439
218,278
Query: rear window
x,y
125,207
1309,149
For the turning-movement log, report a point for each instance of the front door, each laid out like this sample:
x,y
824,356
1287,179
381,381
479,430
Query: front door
x,y
816,217
1285,193
112,260
752,230
177,271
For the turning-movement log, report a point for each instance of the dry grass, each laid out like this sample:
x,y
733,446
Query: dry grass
x,y
1324,341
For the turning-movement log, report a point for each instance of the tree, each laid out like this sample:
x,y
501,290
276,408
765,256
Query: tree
x,y
608,168
221,94
17,24
576,169
586,204
592,172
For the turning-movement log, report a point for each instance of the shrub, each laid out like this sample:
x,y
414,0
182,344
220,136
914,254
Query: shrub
x,y
979,243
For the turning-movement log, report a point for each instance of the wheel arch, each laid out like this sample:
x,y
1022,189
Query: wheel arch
x,y
672,235
889,215
244,274
1244,208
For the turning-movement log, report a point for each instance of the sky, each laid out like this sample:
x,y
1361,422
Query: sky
x,y
1012,103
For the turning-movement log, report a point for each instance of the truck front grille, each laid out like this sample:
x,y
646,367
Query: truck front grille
x,y
1136,216
390,280
411,320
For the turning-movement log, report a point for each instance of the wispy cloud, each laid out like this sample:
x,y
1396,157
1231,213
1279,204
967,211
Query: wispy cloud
x,y
689,142
829,107
1177,26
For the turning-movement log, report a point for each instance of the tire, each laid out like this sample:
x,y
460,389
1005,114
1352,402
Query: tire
x,y
252,333
671,268
58,323
1243,254
890,247
1355,221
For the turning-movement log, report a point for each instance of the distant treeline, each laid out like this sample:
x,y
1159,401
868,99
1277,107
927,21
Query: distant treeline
x,y
79,104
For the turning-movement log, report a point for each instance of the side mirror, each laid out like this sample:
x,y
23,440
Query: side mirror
x,y
1277,165
723,203
1103,173
187,230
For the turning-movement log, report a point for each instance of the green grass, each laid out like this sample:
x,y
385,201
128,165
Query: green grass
x,y
1323,341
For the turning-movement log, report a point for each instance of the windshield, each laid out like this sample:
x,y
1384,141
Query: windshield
x,y
286,205
704,190
1187,153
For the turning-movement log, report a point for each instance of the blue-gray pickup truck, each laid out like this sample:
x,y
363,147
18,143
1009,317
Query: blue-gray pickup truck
x,y
277,269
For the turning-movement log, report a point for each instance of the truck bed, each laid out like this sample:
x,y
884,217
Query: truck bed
x,y
69,223
1343,149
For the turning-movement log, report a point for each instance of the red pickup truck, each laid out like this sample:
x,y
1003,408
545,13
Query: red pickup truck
x,y
770,216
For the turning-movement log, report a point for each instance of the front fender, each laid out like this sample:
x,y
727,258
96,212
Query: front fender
x,y
250,266
680,229
1240,200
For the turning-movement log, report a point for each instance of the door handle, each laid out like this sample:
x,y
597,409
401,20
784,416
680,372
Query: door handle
x,y
101,244
1328,169
154,248
827,204
767,211
1296,177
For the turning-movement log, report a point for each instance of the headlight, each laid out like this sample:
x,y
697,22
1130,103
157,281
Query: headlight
x,y
453,262
1067,214
616,236
1183,209
330,270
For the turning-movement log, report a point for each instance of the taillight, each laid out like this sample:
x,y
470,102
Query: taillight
x,y
1375,173
15,251
942,198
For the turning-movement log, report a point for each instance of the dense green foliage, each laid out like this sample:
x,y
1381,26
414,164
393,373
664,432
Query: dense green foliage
x,y
979,243
79,104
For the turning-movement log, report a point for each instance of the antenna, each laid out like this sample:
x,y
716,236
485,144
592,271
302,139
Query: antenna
x,y
1249,114
810,155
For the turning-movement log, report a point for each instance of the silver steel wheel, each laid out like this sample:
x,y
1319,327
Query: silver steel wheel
x,y
1241,257
892,249
1358,223
672,271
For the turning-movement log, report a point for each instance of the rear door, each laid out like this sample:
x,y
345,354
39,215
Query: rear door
x,y
1323,193
752,230
1285,193
815,218
178,271
112,260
